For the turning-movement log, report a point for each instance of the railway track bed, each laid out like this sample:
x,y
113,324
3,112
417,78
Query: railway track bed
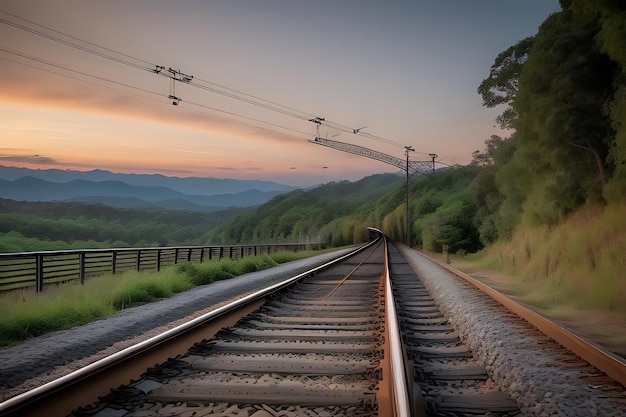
x,y
313,350
320,347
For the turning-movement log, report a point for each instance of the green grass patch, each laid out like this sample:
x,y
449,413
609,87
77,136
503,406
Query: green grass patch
x,y
26,314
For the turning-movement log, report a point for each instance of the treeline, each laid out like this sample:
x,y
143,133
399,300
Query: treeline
x,y
441,205
564,93
34,226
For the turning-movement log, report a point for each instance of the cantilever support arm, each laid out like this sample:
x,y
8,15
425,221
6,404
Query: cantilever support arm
x,y
415,167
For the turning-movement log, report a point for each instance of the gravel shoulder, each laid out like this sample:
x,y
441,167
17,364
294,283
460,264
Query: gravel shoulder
x,y
603,328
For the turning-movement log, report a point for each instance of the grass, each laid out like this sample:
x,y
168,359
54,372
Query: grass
x,y
579,263
26,314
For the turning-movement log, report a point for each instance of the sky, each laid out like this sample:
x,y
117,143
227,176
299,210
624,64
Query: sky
x,y
81,88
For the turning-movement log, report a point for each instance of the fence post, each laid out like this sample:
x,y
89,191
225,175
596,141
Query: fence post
x,y
158,260
39,272
189,255
81,267
201,254
175,256
113,262
221,252
138,260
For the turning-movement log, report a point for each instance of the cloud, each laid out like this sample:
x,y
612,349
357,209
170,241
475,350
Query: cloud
x,y
197,111
29,159
222,168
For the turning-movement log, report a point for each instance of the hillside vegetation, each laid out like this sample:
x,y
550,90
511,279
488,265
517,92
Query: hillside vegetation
x,y
334,213
37,226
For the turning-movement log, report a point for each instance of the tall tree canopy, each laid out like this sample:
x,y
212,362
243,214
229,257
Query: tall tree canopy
x,y
565,88
501,86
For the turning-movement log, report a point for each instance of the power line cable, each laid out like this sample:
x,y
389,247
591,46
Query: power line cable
x,y
222,90
65,34
306,115
247,118
45,62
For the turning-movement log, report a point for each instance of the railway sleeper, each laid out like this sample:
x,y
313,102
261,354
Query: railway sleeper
x,y
256,324
299,334
304,364
316,320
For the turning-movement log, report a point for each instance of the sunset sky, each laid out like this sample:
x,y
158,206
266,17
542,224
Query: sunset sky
x,y
79,91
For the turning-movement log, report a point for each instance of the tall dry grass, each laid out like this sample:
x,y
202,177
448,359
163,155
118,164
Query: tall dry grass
x,y
579,263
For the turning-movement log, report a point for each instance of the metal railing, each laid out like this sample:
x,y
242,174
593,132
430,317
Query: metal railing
x,y
28,269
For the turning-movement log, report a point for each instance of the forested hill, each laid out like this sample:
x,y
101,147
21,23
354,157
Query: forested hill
x,y
37,226
442,212
332,213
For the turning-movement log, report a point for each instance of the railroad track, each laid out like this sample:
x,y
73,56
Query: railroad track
x,y
313,344
319,344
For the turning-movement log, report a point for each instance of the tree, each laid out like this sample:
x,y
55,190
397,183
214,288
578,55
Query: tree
x,y
564,131
502,84
488,157
612,38
486,189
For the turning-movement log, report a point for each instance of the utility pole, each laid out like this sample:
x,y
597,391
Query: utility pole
x,y
407,239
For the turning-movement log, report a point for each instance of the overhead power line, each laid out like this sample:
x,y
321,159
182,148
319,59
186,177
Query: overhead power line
x,y
174,76
77,46
59,66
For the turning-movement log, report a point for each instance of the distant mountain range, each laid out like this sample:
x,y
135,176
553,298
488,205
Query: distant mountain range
x,y
135,190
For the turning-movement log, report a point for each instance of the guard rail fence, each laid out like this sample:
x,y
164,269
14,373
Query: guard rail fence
x,y
36,269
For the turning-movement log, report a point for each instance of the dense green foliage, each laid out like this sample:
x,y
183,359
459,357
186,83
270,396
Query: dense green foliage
x,y
29,226
569,145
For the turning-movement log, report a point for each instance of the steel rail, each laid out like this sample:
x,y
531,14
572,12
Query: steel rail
x,y
594,355
400,383
31,402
